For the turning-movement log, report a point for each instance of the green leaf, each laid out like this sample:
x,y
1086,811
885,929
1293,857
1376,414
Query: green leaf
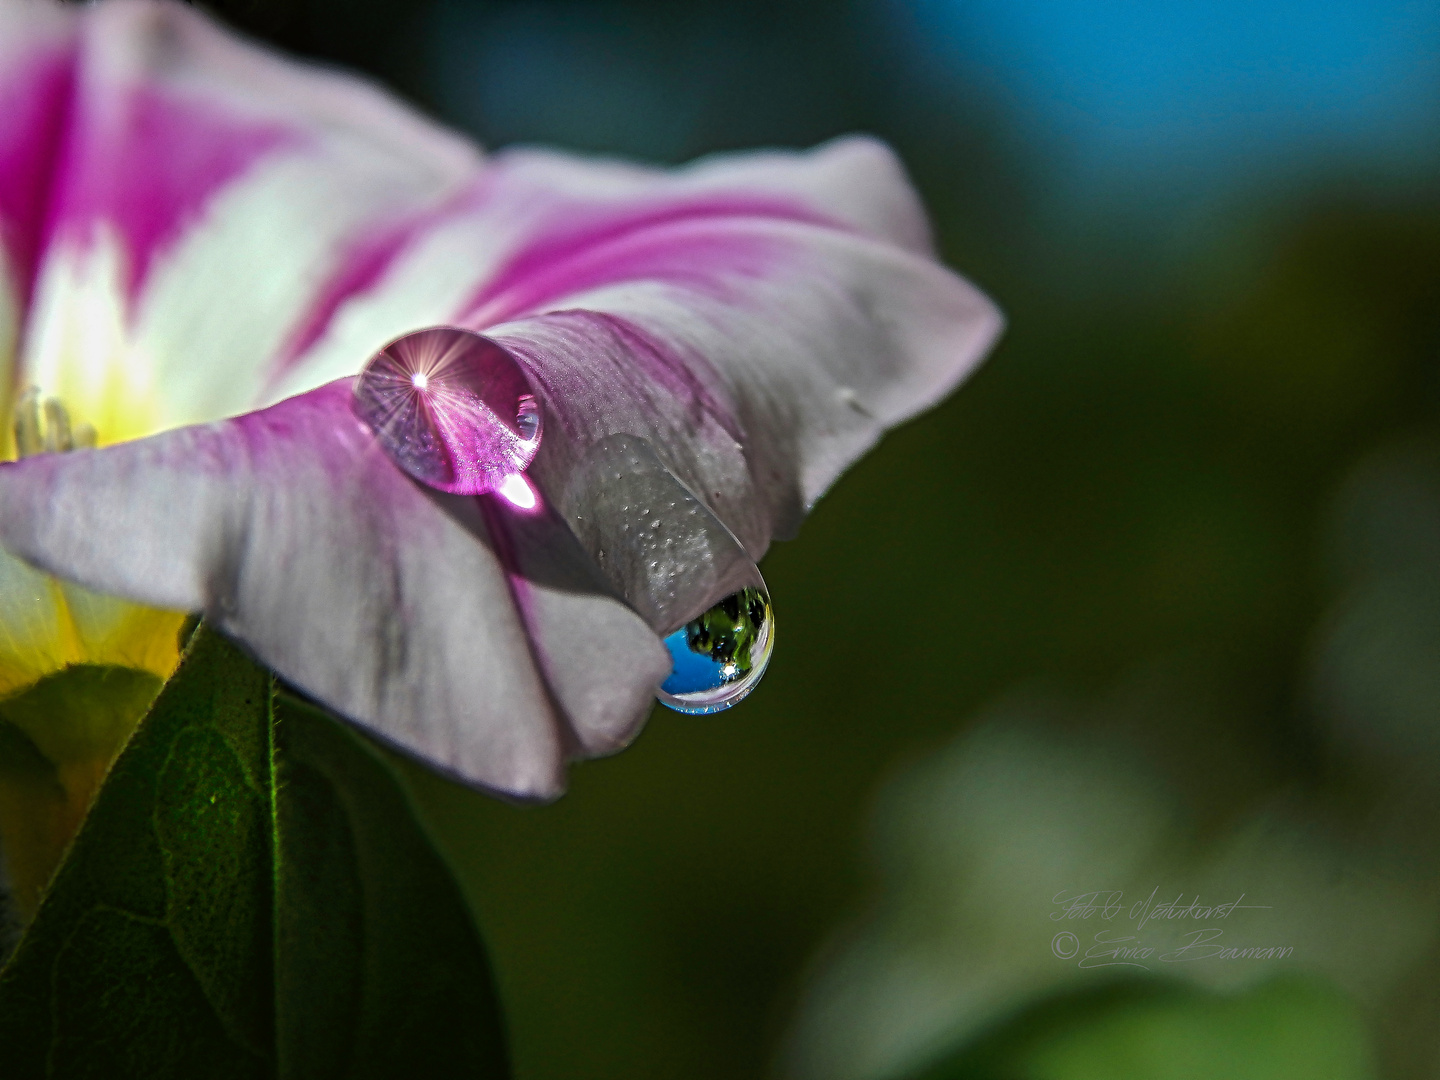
x,y
249,896
383,974
57,740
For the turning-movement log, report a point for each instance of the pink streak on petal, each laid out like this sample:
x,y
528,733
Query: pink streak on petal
x,y
36,102
147,162
359,269
688,242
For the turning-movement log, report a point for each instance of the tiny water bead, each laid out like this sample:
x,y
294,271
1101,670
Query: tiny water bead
x,y
721,656
452,408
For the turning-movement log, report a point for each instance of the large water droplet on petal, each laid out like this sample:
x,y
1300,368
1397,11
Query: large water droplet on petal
x,y
452,408
679,567
720,656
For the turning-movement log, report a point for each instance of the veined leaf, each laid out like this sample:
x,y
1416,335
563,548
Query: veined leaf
x,y
249,896
57,740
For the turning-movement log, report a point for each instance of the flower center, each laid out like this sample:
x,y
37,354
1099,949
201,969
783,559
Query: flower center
x,y
42,426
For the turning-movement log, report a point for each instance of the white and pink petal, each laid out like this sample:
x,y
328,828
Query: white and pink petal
x,y
482,640
173,198
755,321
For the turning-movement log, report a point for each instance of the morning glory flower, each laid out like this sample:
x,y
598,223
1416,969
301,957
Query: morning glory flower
x,y
205,243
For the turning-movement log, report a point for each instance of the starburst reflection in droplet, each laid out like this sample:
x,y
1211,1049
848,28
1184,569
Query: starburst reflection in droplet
x,y
453,409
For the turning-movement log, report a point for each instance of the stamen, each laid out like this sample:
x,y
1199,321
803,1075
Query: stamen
x,y
28,439
52,435
57,427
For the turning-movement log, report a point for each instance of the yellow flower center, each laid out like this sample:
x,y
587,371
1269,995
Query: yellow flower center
x,y
77,671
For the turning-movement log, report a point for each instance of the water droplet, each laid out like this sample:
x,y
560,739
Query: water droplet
x,y
679,567
720,656
451,408
527,419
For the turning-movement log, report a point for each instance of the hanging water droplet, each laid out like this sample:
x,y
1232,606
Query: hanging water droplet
x,y
527,418
720,656
451,408
679,567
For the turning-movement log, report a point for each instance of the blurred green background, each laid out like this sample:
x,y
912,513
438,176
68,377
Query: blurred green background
x,y
1153,602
